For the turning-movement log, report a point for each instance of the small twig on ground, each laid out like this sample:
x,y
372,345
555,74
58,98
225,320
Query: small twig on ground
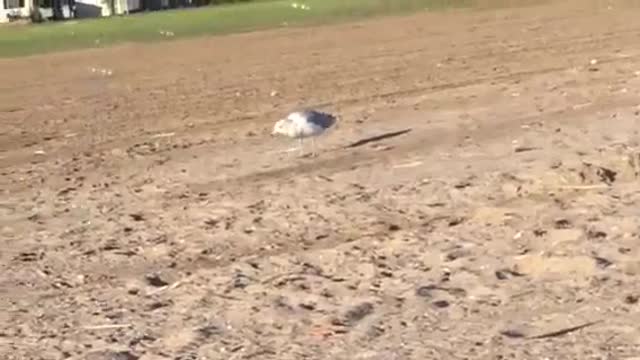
x,y
579,106
585,187
563,331
296,275
222,296
163,135
167,287
521,294
407,165
107,326
259,353
325,178
520,149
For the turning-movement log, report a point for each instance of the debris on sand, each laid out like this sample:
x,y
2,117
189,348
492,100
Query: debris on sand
x,y
441,304
355,314
111,355
564,331
155,280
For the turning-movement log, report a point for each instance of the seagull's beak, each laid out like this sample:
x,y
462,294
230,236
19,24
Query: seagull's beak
x,y
274,132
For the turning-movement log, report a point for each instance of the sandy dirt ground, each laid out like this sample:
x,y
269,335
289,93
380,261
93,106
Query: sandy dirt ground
x,y
148,214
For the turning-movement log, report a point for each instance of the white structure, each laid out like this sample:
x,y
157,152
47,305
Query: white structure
x,y
22,8
14,8
126,6
97,8
84,8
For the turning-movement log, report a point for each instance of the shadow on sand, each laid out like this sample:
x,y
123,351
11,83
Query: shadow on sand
x,y
377,138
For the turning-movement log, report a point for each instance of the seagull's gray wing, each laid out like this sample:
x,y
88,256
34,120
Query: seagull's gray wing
x,y
324,120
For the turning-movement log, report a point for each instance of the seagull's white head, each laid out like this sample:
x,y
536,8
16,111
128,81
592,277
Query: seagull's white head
x,y
281,127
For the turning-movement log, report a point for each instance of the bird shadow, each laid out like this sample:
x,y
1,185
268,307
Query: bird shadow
x,y
380,137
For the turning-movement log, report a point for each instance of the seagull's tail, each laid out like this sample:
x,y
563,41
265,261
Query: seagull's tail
x,y
331,120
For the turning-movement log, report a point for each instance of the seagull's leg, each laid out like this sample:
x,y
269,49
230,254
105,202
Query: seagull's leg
x,y
313,147
288,151
301,146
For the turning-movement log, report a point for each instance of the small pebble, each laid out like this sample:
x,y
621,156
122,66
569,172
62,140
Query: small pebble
x,y
358,312
631,299
441,304
155,280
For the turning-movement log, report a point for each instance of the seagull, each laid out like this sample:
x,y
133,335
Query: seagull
x,y
303,124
